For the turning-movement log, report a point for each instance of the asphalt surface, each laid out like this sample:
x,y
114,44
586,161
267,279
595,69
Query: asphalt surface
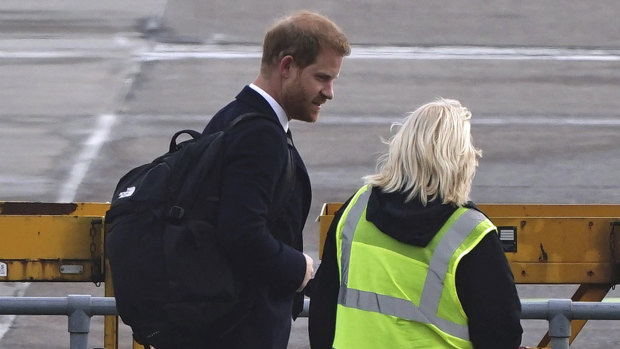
x,y
89,90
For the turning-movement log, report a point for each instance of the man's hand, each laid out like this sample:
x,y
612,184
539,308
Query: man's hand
x,y
309,272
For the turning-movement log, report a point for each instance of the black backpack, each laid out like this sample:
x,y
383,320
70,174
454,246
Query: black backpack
x,y
169,277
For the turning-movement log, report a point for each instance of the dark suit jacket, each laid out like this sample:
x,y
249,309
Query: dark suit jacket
x,y
266,256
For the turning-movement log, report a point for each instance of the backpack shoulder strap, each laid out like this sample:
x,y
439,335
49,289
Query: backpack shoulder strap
x,y
247,116
286,183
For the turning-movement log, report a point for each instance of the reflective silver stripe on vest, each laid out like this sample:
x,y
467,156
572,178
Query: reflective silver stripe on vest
x,y
379,303
452,239
355,213
433,285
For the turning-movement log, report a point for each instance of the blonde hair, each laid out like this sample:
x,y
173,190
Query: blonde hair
x,y
431,156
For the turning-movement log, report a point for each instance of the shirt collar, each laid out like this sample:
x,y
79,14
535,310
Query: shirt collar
x,y
274,105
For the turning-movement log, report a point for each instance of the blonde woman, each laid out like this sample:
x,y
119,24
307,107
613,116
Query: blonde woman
x,y
409,261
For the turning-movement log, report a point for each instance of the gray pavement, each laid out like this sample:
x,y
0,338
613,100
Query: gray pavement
x,y
89,90
411,23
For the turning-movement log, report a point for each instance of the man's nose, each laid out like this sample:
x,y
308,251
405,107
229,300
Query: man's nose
x,y
328,91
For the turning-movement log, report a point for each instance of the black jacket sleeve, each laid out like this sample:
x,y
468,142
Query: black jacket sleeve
x,y
486,289
255,155
323,292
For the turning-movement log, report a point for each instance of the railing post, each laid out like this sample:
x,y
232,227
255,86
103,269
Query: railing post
x,y
560,315
79,311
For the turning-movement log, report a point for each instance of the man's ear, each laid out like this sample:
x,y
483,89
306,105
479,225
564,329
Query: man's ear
x,y
286,66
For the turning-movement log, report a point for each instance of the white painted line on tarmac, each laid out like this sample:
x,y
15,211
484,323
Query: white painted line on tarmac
x,y
89,152
545,121
162,52
484,53
586,121
167,52
16,289
479,120
57,54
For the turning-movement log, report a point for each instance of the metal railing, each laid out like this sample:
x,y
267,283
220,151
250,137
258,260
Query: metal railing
x,y
80,309
560,312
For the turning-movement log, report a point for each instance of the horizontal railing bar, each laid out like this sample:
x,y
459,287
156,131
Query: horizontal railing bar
x,y
107,306
80,309
54,305
576,310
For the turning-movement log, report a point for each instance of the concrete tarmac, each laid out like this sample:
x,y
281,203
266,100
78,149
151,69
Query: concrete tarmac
x,y
89,90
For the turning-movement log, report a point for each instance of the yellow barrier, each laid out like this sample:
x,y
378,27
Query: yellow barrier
x,y
56,242
52,248
555,244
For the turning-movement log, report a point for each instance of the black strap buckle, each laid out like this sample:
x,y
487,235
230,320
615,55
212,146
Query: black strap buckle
x,y
176,213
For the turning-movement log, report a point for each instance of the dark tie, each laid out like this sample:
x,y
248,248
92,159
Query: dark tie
x,y
289,138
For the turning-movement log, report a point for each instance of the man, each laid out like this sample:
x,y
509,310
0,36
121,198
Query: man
x,y
302,56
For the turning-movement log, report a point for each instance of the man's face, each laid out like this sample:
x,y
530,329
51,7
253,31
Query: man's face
x,y
305,90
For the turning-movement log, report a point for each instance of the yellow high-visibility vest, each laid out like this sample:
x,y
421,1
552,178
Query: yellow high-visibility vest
x,y
395,295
